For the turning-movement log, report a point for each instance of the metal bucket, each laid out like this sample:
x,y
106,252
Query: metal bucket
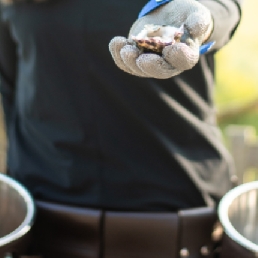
x,y
17,212
238,214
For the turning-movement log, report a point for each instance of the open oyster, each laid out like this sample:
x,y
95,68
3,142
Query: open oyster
x,y
156,37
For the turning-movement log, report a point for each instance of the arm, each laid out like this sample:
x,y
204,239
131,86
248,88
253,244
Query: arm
x,y
8,63
226,16
204,20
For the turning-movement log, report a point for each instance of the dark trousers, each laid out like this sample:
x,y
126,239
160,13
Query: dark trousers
x,y
73,232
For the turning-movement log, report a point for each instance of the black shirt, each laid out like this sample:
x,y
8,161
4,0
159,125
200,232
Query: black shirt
x,y
83,132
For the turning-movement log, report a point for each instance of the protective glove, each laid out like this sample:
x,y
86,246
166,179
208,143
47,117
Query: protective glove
x,y
174,59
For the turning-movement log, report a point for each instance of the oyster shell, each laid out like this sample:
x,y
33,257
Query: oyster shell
x,y
156,37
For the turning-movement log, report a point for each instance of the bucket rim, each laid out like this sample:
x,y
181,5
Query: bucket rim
x,y
28,221
223,207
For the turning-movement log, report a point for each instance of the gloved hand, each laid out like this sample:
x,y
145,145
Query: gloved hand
x,y
174,59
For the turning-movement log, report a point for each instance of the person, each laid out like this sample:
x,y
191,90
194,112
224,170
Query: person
x,y
86,136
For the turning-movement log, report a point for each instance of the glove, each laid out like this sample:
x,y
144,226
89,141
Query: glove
x,y
175,58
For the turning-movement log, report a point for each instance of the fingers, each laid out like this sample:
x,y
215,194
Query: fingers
x,y
115,46
125,55
175,59
155,66
129,55
182,56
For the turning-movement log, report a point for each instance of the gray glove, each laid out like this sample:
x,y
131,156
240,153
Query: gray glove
x,y
175,58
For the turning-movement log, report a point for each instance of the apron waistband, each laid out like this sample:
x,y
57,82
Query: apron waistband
x,y
67,231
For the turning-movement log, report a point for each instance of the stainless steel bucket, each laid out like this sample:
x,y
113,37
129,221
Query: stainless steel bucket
x,y
17,212
238,214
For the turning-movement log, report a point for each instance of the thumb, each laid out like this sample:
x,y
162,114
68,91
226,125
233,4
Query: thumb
x,y
199,24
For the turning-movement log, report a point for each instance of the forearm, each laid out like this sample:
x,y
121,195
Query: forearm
x,y
226,16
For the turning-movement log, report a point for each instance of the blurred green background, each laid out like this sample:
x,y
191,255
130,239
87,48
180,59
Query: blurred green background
x,y
236,91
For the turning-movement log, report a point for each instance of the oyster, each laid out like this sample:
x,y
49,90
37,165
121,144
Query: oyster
x,y
156,37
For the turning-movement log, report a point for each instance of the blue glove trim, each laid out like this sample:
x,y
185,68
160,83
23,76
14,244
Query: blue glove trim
x,y
153,4
206,47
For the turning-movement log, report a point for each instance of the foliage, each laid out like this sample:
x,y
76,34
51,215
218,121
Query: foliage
x,y
237,68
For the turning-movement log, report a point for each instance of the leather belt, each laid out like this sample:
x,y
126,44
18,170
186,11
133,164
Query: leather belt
x,y
66,231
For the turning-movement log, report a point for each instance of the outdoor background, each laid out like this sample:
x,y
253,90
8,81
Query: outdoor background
x,y
236,91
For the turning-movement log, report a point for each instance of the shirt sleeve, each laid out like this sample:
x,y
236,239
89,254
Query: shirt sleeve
x,y
8,64
226,16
